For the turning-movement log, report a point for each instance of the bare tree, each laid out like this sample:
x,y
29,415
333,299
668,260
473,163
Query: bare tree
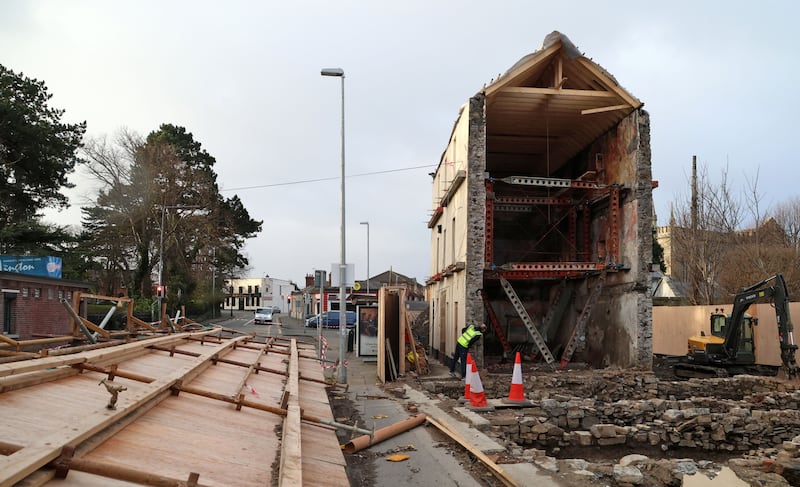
x,y
702,231
156,195
787,215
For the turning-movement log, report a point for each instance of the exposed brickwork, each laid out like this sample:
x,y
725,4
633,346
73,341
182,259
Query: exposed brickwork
x,y
35,309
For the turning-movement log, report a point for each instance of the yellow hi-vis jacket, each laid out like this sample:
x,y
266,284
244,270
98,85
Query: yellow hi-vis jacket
x,y
469,336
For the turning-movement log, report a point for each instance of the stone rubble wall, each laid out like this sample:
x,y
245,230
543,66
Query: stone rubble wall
x,y
636,409
653,422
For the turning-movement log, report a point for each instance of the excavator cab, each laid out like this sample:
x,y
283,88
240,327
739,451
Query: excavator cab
x,y
719,323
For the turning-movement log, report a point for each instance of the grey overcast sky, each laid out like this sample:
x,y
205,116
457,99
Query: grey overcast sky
x,y
719,79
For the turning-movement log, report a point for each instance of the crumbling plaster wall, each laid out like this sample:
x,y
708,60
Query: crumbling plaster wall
x,y
621,326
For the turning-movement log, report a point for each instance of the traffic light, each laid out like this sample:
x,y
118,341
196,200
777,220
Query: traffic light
x,y
161,291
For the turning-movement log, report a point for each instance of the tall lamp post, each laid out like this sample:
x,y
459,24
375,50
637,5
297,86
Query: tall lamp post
x,y
367,224
339,72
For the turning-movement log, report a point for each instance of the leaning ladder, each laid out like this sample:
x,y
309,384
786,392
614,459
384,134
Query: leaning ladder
x,y
526,319
580,327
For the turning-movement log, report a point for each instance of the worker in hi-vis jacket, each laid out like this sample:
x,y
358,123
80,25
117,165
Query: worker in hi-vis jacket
x,y
470,335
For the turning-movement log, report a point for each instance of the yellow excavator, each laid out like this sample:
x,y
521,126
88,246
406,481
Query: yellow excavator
x,y
730,348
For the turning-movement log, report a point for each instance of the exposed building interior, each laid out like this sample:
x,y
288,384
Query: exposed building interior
x,y
561,153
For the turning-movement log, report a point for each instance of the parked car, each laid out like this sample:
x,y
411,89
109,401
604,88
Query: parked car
x,y
276,309
330,319
312,320
263,316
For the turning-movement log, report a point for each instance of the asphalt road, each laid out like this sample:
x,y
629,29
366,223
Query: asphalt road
x,y
285,326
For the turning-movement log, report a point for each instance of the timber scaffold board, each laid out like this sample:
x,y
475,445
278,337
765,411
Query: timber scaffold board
x,y
197,409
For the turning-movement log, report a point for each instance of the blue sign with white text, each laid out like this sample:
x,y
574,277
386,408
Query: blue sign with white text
x,y
32,266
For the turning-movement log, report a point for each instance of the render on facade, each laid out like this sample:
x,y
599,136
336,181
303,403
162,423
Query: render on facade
x,y
541,222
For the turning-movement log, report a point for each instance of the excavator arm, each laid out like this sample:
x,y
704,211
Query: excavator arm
x,y
773,288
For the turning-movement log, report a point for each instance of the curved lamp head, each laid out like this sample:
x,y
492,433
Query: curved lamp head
x,y
333,72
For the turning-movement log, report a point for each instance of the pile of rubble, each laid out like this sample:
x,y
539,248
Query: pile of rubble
x,y
751,424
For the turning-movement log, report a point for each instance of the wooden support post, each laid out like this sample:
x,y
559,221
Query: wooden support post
x,y
392,367
498,472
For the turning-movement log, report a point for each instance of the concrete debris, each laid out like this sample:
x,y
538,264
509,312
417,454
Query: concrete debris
x,y
638,421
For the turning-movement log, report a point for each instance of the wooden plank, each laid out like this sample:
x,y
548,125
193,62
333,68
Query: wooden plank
x,y
95,328
134,320
105,298
227,447
603,78
27,380
524,90
35,341
291,468
498,472
90,356
589,111
143,439
249,372
17,466
417,366
521,69
392,367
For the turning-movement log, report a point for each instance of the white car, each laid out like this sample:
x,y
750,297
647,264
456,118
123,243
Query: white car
x,y
263,316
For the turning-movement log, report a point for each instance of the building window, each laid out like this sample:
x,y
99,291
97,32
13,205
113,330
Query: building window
x,y
24,292
51,293
241,289
256,290
249,289
37,292
69,295
60,294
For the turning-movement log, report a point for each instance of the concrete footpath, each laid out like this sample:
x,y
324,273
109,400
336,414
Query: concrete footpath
x,y
431,461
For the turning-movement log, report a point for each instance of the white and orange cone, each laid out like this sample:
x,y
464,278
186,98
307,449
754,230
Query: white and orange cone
x,y
477,396
467,379
517,395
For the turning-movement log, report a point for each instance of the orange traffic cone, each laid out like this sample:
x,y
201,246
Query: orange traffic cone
x,y
467,379
477,397
516,394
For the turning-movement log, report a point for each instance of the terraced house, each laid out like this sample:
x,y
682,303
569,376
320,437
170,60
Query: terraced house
x,y
541,224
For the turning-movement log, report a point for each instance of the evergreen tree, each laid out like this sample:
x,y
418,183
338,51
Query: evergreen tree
x,y
37,153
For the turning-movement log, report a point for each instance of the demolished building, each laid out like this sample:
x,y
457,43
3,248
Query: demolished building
x,y
541,223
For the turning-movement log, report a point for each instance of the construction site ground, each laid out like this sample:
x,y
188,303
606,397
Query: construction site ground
x,y
432,457
583,427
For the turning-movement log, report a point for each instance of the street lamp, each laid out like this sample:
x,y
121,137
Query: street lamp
x,y
367,224
339,72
